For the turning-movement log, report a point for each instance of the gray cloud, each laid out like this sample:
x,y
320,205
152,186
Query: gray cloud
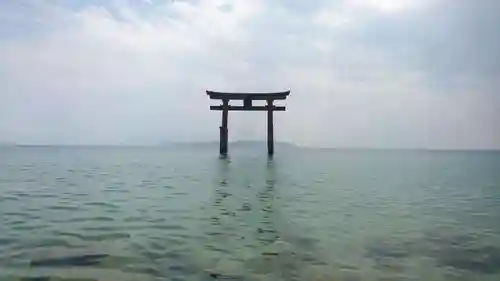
x,y
454,38
360,75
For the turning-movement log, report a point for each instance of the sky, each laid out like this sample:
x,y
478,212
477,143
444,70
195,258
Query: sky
x,y
362,73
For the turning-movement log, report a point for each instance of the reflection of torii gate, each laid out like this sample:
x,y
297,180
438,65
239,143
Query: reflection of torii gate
x,y
247,106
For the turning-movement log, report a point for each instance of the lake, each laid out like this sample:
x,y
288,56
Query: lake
x,y
183,213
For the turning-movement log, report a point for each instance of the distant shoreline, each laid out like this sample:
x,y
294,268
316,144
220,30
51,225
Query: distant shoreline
x,y
244,144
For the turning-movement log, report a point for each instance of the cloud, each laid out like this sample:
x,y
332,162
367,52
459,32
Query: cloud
x,y
392,75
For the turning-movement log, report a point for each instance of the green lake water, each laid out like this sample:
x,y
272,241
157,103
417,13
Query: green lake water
x,y
183,213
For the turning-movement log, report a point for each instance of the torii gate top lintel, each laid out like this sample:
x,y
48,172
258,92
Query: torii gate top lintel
x,y
253,96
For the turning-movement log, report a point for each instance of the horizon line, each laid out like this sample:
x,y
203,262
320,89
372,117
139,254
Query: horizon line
x,y
298,146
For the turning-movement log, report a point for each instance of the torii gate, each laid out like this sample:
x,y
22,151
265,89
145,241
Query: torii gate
x,y
247,106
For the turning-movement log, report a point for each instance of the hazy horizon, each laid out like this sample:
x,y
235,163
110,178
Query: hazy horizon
x,y
411,74
235,145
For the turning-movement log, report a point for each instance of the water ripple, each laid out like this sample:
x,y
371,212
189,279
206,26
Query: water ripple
x,y
5,198
111,236
64,207
84,219
102,204
168,227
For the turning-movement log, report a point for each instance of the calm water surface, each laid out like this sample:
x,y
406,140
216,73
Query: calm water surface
x,y
185,214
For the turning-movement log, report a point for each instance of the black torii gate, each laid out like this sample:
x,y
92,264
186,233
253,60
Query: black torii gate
x,y
247,106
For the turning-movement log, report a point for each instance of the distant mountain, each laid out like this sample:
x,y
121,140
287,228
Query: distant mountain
x,y
191,144
233,144
259,144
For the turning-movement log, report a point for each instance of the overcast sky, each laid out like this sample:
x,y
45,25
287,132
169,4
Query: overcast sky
x,y
370,73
